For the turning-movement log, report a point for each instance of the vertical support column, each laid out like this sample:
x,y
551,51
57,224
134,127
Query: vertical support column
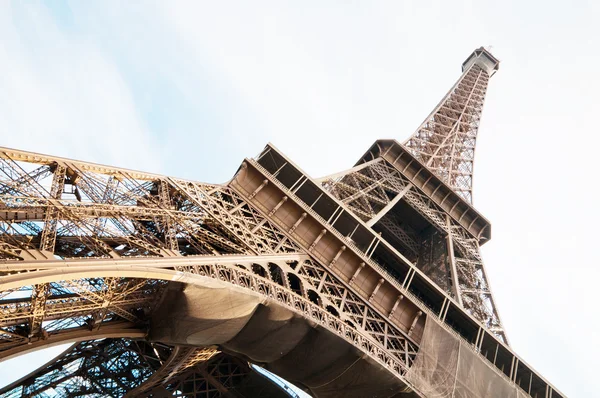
x,y
360,268
278,205
258,189
334,214
170,234
316,241
479,338
107,197
374,243
530,382
298,184
398,300
38,308
496,354
513,368
302,217
444,309
379,283
452,261
408,278
338,254
48,238
414,323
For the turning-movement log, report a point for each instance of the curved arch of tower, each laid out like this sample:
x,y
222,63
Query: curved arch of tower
x,y
368,282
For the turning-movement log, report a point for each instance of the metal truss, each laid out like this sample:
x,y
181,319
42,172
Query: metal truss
x,y
302,285
219,376
135,368
369,190
74,309
445,142
96,368
113,214
181,358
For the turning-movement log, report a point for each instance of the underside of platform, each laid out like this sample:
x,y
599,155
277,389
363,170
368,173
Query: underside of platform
x,y
274,337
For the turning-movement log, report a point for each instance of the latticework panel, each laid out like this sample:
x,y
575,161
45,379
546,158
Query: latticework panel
x,y
126,367
60,209
69,210
180,360
445,142
365,189
303,285
219,376
96,368
43,313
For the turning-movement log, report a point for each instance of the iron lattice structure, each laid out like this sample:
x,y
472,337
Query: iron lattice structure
x,y
126,367
170,287
445,142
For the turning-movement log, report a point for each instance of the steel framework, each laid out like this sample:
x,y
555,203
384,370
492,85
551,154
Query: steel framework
x,y
126,367
95,255
445,141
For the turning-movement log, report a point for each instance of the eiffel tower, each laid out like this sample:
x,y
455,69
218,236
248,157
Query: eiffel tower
x,y
366,283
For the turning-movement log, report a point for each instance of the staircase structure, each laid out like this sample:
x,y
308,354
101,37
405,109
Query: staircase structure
x,y
369,282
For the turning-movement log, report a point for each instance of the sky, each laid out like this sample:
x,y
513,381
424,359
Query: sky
x,y
191,88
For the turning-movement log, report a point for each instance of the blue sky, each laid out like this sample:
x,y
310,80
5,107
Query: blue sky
x,y
191,88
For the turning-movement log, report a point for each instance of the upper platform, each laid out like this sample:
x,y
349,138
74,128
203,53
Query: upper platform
x,y
484,59
432,185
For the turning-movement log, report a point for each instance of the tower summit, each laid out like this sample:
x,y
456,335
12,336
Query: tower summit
x,y
368,282
483,59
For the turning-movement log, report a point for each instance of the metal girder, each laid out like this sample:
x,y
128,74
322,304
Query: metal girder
x,y
48,238
67,307
135,368
218,376
111,214
96,368
181,358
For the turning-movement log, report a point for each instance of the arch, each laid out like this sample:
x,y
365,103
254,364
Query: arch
x,y
314,297
332,310
295,284
260,271
277,274
107,331
206,276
